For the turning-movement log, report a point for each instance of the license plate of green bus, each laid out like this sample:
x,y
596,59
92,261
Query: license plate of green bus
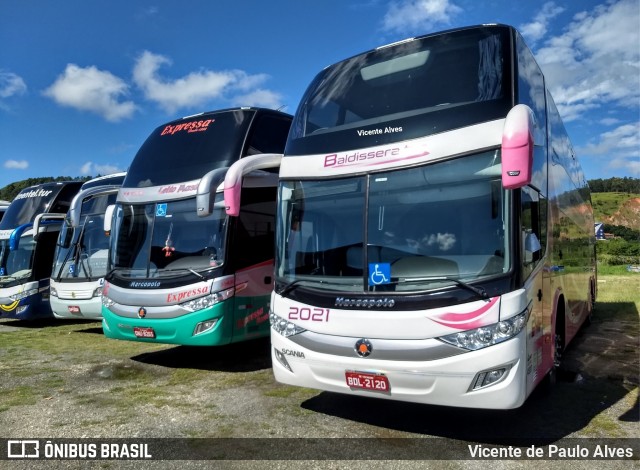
x,y
144,332
367,381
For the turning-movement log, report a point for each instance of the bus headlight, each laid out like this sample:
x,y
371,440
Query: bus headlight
x,y
208,300
23,294
284,327
489,335
97,292
53,291
107,302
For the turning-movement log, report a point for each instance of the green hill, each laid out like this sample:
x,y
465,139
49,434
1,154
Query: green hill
x,y
617,208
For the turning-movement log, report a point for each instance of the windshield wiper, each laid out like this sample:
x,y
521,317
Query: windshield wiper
x,y
192,271
289,287
479,291
293,284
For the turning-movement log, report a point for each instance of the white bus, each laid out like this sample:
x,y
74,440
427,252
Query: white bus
x,y
434,230
80,260
192,243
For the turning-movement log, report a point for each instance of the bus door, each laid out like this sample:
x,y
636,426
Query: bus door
x,y
252,245
533,238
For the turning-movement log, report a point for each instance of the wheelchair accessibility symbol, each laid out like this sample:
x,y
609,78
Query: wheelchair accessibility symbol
x,y
161,210
379,273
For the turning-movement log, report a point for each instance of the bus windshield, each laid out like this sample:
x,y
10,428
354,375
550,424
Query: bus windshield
x,y
404,91
167,239
402,230
16,265
29,203
212,140
85,257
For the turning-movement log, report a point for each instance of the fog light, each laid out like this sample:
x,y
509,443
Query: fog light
x,y
21,309
489,377
204,326
282,359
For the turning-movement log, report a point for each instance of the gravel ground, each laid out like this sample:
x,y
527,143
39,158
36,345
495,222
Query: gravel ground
x,y
137,391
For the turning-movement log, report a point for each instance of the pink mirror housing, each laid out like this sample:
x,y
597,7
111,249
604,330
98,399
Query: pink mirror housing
x,y
517,147
235,174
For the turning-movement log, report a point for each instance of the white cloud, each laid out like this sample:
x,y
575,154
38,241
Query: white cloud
x,y
596,61
196,88
418,16
609,121
93,90
536,29
621,147
11,85
593,71
261,98
16,164
94,169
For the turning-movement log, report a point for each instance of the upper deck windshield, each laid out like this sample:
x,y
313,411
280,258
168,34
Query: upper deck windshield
x,y
29,203
406,90
185,150
162,240
85,257
403,230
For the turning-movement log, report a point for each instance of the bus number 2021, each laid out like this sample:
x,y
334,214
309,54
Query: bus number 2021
x,y
309,314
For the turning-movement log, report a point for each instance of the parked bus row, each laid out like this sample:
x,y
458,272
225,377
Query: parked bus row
x,y
420,230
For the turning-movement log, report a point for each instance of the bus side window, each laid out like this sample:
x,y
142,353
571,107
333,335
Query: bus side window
x,y
269,135
254,240
533,229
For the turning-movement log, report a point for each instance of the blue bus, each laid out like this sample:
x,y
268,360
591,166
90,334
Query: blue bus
x,y
28,234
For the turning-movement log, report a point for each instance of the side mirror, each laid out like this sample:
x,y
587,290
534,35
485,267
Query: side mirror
x,y
66,234
108,216
75,210
517,147
207,191
235,174
531,243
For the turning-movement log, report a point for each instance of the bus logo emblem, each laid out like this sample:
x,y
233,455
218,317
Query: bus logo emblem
x,y
142,312
363,347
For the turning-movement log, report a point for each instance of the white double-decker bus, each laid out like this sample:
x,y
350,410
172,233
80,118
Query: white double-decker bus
x,y
434,230
80,260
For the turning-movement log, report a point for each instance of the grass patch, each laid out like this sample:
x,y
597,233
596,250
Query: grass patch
x,y
619,270
619,288
22,395
286,391
185,376
607,204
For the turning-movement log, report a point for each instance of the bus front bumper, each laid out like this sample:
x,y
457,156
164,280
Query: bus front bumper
x,y
447,382
178,330
88,309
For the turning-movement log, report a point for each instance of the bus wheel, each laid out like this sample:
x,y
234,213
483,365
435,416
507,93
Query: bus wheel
x,y
557,359
558,347
592,305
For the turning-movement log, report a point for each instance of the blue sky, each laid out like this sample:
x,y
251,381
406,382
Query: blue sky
x,y
82,83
